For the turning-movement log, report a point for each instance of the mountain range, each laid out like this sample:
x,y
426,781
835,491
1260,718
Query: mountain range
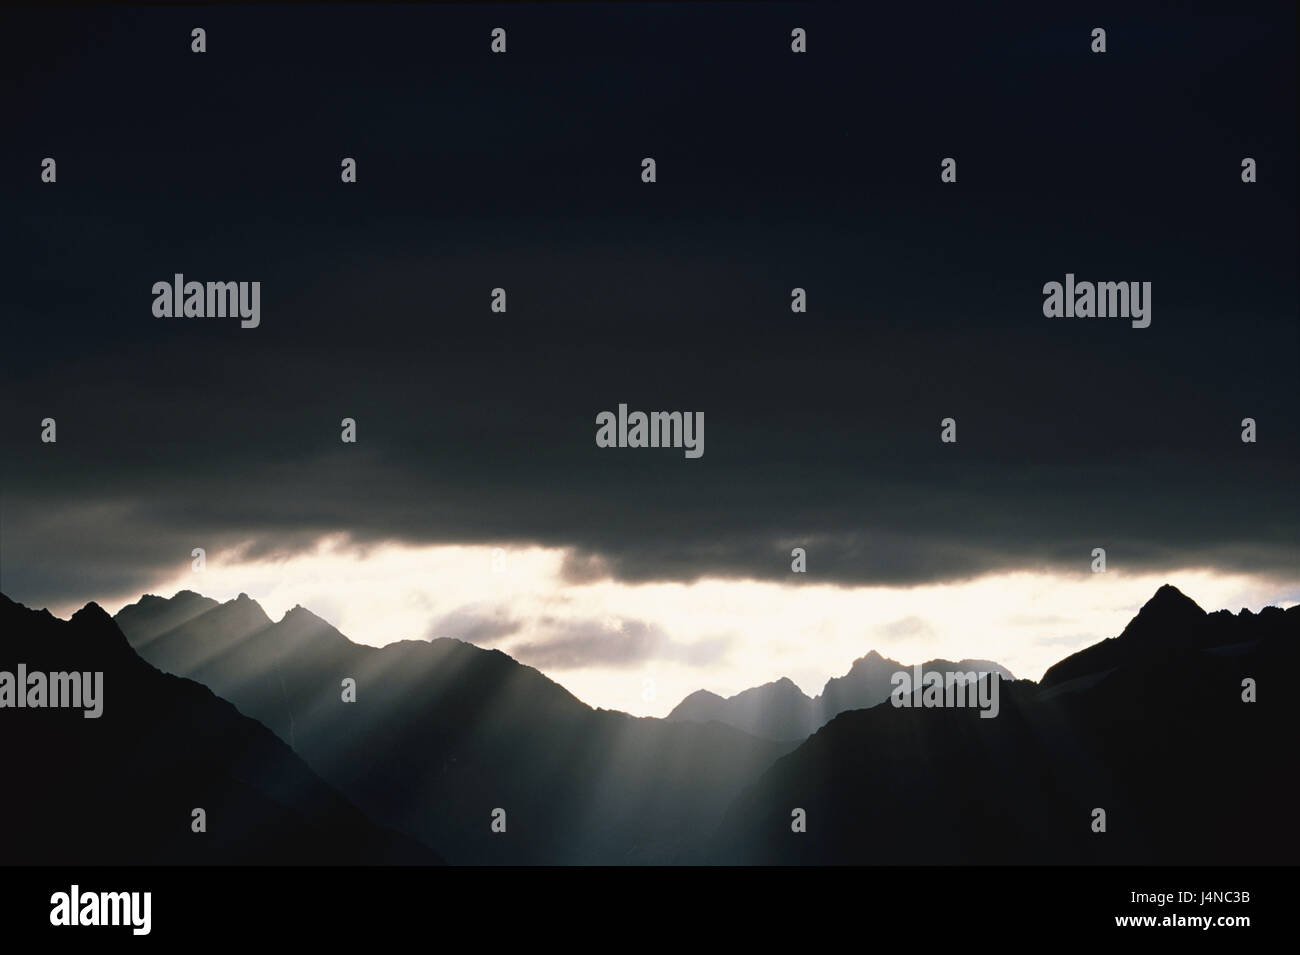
x,y
1153,728
443,733
121,789
780,710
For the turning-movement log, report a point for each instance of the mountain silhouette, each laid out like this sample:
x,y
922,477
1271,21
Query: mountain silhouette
x,y
1150,726
443,733
1167,621
781,711
121,788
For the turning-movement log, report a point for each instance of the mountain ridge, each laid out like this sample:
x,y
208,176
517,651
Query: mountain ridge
x,y
168,745
440,733
443,733
1146,728
781,710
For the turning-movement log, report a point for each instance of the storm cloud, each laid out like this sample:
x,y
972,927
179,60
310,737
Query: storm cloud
x,y
523,173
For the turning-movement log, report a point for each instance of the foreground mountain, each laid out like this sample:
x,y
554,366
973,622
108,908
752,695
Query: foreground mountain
x,y
1168,622
121,788
442,734
782,711
1150,726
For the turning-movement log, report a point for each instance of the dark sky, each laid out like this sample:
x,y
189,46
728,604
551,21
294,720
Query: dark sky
x,y
775,171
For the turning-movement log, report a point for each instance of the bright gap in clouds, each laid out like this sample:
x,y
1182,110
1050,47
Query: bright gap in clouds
x,y
642,647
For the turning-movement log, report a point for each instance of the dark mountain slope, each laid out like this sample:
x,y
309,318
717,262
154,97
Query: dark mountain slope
x,y
120,789
1157,735
442,733
1168,620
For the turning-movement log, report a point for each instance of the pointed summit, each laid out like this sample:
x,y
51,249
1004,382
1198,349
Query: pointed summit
x,y
1169,597
92,636
246,606
1167,613
1169,621
873,659
92,613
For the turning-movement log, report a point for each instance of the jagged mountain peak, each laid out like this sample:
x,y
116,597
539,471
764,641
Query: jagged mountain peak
x,y
91,613
1164,615
1169,599
872,659
245,605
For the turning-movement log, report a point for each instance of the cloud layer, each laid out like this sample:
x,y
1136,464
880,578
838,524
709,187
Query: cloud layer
x,y
478,427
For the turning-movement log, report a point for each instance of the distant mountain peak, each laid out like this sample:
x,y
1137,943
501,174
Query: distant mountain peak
x,y
300,616
246,604
92,612
703,695
873,658
1168,608
780,710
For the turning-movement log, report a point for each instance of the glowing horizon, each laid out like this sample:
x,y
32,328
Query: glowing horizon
x,y
642,647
